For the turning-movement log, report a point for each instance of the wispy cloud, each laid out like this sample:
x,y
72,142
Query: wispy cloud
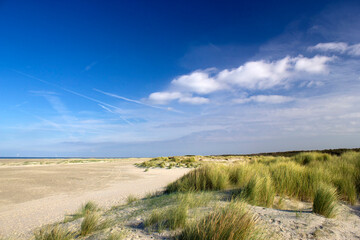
x,y
90,66
71,91
338,47
272,99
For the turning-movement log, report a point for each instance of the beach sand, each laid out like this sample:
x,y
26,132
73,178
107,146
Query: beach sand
x,y
34,195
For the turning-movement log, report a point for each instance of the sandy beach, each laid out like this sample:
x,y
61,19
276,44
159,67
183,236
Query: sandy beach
x,y
33,195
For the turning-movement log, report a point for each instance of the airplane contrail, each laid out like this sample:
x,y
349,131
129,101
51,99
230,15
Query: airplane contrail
x,y
136,101
72,92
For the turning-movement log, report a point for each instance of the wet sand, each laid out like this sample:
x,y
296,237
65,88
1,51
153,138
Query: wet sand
x,y
33,195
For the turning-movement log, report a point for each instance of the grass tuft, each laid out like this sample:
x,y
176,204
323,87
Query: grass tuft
x,y
92,223
131,198
325,201
84,209
56,232
172,218
230,223
208,177
119,235
259,191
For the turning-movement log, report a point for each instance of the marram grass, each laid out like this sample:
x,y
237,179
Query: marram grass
x,y
259,191
232,222
56,232
296,177
325,201
208,177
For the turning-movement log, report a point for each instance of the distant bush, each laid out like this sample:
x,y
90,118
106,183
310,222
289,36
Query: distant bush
x,y
170,162
325,201
308,157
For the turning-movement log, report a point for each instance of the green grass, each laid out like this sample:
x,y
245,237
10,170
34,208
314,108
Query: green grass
x,y
170,162
296,177
89,223
207,177
230,223
92,222
119,235
83,210
56,232
131,198
308,157
325,201
259,191
171,218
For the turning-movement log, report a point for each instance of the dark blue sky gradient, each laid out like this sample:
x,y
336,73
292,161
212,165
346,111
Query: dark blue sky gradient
x,y
131,48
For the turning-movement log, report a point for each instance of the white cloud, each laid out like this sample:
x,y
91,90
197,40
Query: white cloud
x,y
257,75
271,99
330,47
316,65
197,82
254,75
194,100
166,97
354,50
340,47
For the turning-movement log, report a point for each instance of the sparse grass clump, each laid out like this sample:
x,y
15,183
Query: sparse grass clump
x,y
56,232
92,223
172,218
131,198
325,201
89,223
230,223
84,209
208,177
120,235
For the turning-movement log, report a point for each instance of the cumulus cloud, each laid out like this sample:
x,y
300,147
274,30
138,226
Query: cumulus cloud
x,y
166,97
253,75
339,47
271,99
197,82
315,65
257,74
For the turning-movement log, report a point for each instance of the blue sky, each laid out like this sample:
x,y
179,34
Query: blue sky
x,y
154,78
